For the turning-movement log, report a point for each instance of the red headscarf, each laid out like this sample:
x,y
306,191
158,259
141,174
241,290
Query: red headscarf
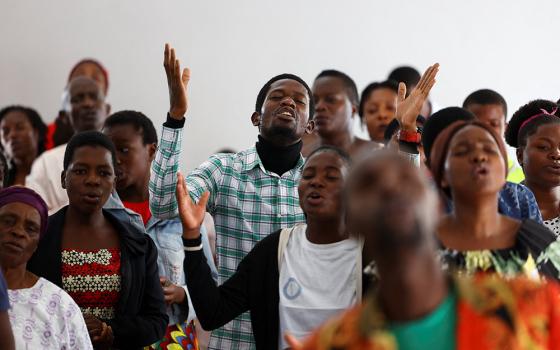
x,y
98,64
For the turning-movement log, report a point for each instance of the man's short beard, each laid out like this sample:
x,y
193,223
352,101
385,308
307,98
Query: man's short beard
x,y
281,133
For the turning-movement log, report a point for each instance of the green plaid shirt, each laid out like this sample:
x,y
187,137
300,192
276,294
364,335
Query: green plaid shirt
x,y
247,203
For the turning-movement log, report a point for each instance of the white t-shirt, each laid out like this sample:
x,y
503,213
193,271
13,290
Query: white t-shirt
x,y
46,317
44,178
317,281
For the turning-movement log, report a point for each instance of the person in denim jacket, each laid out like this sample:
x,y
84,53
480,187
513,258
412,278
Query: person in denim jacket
x,y
135,140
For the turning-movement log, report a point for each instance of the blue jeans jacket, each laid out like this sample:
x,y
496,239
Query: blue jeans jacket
x,y
166,234
517,201
116,207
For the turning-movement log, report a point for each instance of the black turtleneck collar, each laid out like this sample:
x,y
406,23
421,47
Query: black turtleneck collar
x,y
278,159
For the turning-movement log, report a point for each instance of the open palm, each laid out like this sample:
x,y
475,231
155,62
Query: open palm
x,y
191,214
409,107
177,83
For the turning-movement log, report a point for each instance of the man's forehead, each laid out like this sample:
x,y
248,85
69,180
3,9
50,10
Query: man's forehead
x,y
487,109
329,84
91,154
81,84
288,84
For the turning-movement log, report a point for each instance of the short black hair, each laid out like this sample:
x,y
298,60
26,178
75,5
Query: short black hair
x,y
349,84
539,109
264,90
406,74
138,120
394,126
339,152
486,97
438,122
387,84
34,119
88,138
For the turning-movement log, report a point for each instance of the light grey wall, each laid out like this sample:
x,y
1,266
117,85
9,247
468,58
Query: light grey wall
x,y
233,47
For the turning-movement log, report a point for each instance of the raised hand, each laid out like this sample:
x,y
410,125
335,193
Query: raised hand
x,y
191,214
408,108
177,83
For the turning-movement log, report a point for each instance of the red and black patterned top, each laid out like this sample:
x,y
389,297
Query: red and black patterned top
x,y
93,279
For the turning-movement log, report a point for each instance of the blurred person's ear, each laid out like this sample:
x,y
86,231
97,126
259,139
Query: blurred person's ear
x,y
256,119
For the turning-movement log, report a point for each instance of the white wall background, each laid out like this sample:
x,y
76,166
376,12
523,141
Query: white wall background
x,y
233,47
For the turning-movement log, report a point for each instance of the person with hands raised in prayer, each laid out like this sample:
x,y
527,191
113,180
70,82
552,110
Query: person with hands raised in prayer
x,y
253,192
408,110
293,279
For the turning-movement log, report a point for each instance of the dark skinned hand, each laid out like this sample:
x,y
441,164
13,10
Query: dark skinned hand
x,y
191,214
172,293
408,108
177,83
100,333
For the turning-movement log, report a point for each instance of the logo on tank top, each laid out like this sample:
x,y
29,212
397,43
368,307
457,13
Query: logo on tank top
x,y
291,289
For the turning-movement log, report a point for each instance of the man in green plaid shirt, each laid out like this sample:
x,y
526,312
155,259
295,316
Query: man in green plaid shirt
x,y
252,193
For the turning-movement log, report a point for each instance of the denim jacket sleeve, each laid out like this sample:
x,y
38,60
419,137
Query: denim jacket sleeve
x,y
518,202
166,235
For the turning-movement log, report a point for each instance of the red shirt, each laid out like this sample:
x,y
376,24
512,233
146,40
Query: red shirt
x,y
142,208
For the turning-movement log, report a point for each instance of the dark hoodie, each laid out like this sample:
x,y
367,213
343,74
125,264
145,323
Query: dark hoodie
x,y
140,316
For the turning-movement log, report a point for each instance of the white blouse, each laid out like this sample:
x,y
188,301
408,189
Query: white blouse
x,y
46,317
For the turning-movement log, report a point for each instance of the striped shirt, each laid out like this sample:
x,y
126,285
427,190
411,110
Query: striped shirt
x,y
247,203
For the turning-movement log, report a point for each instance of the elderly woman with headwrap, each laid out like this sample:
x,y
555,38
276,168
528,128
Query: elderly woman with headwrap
x,y
42,315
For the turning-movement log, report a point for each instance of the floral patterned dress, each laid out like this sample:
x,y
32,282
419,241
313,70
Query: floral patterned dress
x,y
45,317
93,280
536,253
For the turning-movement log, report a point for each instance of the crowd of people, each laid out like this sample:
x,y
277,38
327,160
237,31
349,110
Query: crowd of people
x,y
426,236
